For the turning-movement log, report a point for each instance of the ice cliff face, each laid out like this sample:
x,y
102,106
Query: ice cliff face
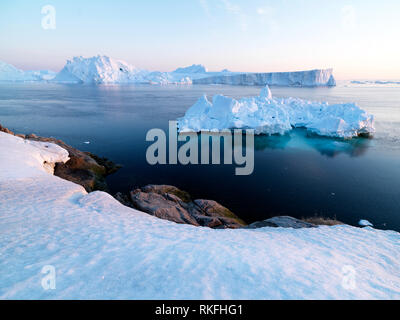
x,y
268,115
10,73
310,78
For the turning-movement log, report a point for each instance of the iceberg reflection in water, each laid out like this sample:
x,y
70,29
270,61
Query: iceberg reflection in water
x,y
303,139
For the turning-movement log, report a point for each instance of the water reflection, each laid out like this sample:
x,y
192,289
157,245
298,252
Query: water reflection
x,y
303,139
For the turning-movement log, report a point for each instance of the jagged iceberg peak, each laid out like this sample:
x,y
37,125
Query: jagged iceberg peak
x,y
103,69
194,68
98,69
268,115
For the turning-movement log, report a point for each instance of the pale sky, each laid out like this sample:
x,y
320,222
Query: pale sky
x,y
358,38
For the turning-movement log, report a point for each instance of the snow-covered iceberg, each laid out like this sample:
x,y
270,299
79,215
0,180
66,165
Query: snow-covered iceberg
x,y
10,73
268,115
101,249
311,78
102,69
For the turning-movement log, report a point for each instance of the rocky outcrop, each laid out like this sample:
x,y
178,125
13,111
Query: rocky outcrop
x,y
170,203
281,222
83,168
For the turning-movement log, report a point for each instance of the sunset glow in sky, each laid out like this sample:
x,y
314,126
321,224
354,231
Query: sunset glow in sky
x,y
358,38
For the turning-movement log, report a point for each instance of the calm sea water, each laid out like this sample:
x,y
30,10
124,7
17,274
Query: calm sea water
x,y
294,174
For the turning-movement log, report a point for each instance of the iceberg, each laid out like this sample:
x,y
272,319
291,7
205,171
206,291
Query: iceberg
x,y
311,78
195,68
10,73
102,69
268,115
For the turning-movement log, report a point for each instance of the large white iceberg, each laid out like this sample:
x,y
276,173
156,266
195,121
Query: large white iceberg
x,y
268,115
310,78
102,69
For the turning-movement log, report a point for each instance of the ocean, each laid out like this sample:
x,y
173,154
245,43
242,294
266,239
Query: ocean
x,y
297,174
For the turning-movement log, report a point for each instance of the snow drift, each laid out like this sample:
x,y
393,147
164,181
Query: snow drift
x,y
268,115
103,250
311,78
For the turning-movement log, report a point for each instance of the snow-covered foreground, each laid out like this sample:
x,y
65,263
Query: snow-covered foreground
x,y
268,115
101,249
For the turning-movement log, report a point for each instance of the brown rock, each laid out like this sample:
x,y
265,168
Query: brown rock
x,y
3,129
170,203
82,168
281,222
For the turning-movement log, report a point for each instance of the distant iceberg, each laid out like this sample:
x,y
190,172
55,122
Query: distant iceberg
x,y
311,78
10,73
268,115
372,82
195,68
103,69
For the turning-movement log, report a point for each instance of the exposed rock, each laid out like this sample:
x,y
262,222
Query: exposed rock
x,y
282,222
124,199
2,129
83,168
322,221
173,204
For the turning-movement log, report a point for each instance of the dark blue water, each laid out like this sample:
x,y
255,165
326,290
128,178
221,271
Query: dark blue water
x,y
295,174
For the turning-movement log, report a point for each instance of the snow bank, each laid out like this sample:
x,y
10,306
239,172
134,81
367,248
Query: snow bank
x,y
311,78
268,115
101,249
9,73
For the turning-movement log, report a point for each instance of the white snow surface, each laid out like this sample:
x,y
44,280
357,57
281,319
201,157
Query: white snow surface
x,y
268,115
101,249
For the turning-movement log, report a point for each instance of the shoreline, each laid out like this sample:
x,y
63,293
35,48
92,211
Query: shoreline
x,y
102,249
163,201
